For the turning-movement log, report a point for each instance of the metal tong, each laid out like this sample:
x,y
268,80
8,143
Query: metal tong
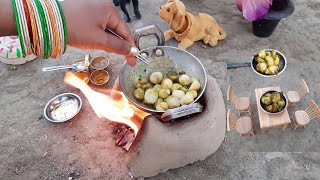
x,y
134,51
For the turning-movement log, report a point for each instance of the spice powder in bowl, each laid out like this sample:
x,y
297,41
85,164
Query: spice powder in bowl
x,y
99,77
99,63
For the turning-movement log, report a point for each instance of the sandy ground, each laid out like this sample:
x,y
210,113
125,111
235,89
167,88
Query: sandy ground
x,y
32,148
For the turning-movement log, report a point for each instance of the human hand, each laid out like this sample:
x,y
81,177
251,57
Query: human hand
x,y
88,23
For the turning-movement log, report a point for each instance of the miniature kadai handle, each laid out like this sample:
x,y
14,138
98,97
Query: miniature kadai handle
x,y
181,112
149,30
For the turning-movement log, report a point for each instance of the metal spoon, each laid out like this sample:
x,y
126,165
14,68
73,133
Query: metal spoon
x,y
78,66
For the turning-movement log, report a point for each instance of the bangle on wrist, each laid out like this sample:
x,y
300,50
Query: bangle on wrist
x,y
41,27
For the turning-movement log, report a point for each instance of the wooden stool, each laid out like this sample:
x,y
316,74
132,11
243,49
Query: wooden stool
x,y
295,96
242,125
242,104
302,118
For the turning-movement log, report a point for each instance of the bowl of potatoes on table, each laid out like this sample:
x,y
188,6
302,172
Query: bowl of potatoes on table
x,y
273,102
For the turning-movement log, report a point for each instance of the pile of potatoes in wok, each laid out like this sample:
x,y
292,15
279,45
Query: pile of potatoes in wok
x,y
268,62
273,101
167,91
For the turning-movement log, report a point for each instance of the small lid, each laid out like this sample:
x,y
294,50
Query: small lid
x,y
277,15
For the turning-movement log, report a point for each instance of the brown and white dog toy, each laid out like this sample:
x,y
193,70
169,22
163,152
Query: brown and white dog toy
x,y
188,28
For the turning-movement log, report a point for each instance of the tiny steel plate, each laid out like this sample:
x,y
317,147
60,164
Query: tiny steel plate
x,y
62,101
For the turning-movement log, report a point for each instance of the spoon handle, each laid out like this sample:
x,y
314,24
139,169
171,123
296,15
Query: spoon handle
x,y
54,68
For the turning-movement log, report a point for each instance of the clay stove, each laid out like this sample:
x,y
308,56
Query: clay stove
x,y
160,146
157,147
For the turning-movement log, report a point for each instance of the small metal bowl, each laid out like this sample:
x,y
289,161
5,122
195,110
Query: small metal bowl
x,y
99,77
282,64
264,107
62,107
99,63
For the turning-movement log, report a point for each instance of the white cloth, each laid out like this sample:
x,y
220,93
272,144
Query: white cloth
x,y
10,51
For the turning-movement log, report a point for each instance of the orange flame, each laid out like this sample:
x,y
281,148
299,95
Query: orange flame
x,y
114,107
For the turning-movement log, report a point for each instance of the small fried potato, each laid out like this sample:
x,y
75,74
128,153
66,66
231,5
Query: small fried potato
x,y
275,107
262,67
262,54
184,80
151,96
184,89
138,85
178,93
268,95
173,102
176,86
194,93
146,86
164,93
270,108
195,85
276,97
260,60
266,100
157,87
173,75
166,84
139,93
270,61
267,71
162,106
156,77
187,99
159,100
281,103
273,70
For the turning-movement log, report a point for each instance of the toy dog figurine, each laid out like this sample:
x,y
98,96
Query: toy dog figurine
x,y
188,28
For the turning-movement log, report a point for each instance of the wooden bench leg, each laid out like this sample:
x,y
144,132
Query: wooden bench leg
x,y
285,127
263,131
290,104
252,132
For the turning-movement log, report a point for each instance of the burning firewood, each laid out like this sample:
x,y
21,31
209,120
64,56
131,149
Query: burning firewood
x,y
124,136
112,106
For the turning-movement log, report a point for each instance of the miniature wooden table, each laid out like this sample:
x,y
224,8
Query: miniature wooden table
x,y
271,120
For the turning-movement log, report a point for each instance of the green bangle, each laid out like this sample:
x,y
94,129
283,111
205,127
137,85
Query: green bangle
x,y
16,15
48,24
64,26
44,29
